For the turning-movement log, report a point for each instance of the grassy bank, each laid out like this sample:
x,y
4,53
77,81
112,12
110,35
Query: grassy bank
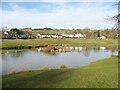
x,y
32,43
99,74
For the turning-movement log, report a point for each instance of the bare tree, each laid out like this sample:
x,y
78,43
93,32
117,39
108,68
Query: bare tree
x,y
116,18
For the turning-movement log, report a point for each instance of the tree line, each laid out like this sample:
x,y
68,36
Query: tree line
x,y
15,33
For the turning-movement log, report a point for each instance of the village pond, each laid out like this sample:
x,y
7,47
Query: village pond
x,y
34,59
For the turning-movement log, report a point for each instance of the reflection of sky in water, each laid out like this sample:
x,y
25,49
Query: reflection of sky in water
x,y
32,59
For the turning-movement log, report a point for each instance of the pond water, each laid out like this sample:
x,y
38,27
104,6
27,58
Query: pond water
x,y
18,60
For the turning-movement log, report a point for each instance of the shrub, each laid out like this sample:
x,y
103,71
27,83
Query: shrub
x,y
63,66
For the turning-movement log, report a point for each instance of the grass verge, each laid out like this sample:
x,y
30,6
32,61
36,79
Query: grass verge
x,y
33,43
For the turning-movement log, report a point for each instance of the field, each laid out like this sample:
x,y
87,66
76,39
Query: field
x,y
32,43
99,74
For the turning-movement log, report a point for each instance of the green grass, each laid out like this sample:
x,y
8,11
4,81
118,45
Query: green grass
x,y
32,43
99,74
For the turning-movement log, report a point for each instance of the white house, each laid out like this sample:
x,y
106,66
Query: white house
x,y
74,35
79,35
49,36
43,36
5,33
56,36
60,36
102,37
117,35
38,35
68,36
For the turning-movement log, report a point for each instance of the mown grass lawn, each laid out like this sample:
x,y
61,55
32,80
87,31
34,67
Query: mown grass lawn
x,y
25,43
99,74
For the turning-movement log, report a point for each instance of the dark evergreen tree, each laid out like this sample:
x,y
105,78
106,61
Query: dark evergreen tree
x,y
98,34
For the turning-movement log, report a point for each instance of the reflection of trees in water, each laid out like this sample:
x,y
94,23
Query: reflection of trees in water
x,y
14,53
51,53
113,50
3,56
86,51
79,51
17,54
96,49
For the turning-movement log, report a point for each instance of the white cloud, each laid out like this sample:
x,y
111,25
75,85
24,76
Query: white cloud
x,y
61,17
54,1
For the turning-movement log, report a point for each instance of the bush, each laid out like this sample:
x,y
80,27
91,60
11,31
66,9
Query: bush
x,y
63,66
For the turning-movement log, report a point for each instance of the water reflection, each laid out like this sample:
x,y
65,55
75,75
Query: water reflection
x,y
84,50
13,53
16,54
51,53
36,58
102,48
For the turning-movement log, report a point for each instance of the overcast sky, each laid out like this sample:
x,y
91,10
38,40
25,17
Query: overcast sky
x,y
58,14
